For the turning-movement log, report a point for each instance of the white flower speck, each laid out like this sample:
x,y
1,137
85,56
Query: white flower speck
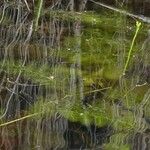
x,y
52,77
81,114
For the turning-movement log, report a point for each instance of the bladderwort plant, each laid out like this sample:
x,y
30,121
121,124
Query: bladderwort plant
x,y
138,26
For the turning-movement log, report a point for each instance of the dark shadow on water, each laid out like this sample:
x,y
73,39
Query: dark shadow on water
x,y
80,136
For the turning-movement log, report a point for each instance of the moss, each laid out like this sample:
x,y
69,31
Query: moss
x,y
42,74
117,142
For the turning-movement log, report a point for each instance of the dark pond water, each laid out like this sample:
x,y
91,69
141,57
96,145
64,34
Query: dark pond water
x,y
74,76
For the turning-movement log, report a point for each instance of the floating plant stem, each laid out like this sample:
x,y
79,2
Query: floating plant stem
x,y
19,119
138,24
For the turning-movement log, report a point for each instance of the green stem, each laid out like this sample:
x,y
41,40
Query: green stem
x,y
138,24
38,13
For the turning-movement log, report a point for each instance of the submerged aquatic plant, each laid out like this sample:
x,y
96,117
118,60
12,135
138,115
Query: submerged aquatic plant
x,y
57,74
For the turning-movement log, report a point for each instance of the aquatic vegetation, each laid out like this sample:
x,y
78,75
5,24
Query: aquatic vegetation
x,y
100,58
117,142
72,69
43,74
138,24
37,12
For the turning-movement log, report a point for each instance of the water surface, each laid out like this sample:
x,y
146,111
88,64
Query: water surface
x,y
64,84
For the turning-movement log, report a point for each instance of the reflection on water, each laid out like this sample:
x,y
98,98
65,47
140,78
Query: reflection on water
x,y
62,86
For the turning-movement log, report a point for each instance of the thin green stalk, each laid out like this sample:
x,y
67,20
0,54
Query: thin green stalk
x,y
38,10
138,24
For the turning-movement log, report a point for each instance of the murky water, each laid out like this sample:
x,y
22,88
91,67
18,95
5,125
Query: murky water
x,y
76,80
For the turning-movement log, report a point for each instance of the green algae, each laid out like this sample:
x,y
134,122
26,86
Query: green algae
x,y
117,142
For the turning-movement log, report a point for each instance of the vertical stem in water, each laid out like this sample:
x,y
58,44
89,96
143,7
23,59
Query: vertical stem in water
x,y
38,10
138,24
77,34
76,73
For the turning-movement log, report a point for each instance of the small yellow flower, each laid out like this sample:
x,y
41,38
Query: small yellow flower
x,y
138,24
